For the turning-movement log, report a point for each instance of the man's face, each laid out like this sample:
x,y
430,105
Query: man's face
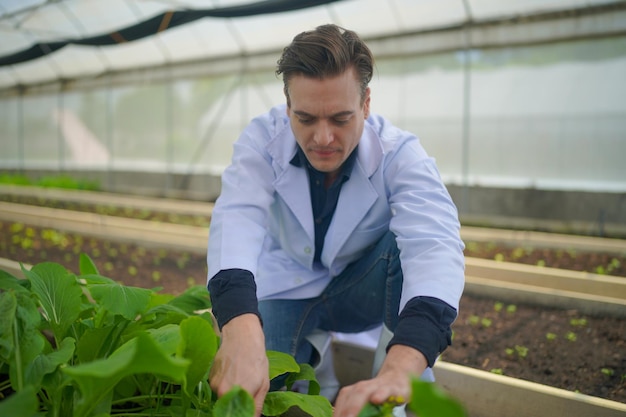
x,y
327,118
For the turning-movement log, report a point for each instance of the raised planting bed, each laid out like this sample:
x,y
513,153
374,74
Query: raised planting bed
x,y
556,347
593,363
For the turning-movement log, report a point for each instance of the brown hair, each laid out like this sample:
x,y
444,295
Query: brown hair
x,y
327,51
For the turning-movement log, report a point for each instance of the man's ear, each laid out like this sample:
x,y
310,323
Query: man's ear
x,y
286,91
366,103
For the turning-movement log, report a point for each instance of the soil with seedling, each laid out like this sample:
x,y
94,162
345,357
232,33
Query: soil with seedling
x,y
555,347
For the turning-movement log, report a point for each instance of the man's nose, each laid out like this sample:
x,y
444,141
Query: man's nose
x,y
323,134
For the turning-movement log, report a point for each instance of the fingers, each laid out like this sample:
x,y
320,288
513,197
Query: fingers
x,y
253,377
352,399
259,399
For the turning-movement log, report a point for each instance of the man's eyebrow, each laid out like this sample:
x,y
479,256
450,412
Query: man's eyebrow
x,y
338,114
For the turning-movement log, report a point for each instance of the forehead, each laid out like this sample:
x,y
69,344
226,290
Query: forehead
x,y
336,92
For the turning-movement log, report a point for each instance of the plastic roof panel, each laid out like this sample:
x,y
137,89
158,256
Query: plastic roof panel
x,y
24,23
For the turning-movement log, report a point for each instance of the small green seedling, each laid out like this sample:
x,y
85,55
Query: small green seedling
x,y
550,336
521,351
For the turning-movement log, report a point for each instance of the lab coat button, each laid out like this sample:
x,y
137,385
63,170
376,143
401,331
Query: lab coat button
x,y
307,250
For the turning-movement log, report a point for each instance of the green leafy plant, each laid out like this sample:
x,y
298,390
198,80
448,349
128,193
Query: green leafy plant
x,y
59,181
70,348
427,400
85,345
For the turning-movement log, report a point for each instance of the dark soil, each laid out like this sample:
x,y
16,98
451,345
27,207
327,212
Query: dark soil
x,y
559,348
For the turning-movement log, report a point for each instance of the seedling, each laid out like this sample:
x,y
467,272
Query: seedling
x,y
475,320
497,371
517,253
578,322
498,306
511,308
550,336
521,351
571,336
607,371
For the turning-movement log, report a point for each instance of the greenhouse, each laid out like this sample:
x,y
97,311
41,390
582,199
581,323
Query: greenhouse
x,y
121,151
515,95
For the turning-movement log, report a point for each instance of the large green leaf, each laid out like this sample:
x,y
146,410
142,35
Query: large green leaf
x,y
129,302
235,403
21,404
20,339
59,295
198,343
9,282
193,299
281,363
428,400
95,279
278,402
86,265
8,308
141,355
95,343
377,410
47,363
161,315
307,373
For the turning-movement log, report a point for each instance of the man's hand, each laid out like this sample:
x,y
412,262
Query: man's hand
x,y
241,360
392,381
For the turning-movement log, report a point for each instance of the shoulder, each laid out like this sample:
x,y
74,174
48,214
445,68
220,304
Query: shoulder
x,y
272,122
391,137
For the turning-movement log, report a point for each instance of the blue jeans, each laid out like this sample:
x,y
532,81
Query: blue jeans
x,y
364,295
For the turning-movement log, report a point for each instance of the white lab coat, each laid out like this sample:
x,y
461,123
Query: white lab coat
x,y
263,221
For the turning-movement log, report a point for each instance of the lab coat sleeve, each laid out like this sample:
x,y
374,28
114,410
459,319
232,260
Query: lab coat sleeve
x,y
240,216
426,224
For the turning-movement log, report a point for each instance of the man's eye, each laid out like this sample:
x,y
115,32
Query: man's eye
x,y
341,121
305,121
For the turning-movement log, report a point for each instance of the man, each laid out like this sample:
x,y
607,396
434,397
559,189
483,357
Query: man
x,y
331,219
